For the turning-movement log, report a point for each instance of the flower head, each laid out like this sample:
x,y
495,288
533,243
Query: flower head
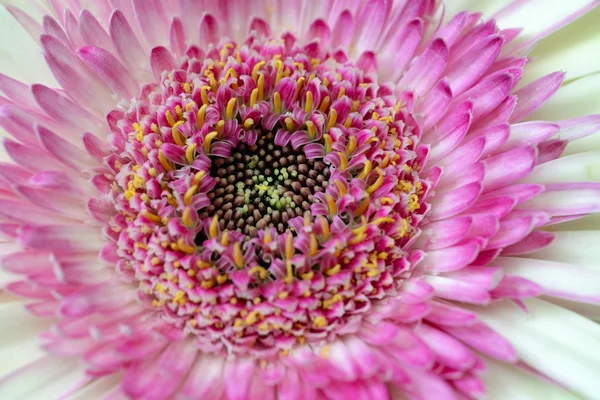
x,y
222,204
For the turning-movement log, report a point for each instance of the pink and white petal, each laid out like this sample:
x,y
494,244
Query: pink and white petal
x,y
575,247
205,380
116,76
567,199
48,377
580,167
97,389
532,96
560,280
62,238
541,340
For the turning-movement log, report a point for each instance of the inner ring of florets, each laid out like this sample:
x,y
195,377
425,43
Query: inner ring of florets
x,y
265,198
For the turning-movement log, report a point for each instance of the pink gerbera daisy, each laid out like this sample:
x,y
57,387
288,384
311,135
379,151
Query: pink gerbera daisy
x,y
335,199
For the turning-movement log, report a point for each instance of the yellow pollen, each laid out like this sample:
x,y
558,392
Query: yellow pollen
x,y
252,317
213,230
260,84
191,272
170,118
238,257
308,276
413,202
187,88
314,245
155,261
221,279
198,177
324,104
279,67
277,103
230,73
386,201
341,187
283,295
342,92
163,161
207,284
208,140
320,322
201,115
333,270
230,108
202,264
204,94
309,101
152,172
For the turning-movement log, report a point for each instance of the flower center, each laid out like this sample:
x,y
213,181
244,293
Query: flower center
x,y
263,186
265,199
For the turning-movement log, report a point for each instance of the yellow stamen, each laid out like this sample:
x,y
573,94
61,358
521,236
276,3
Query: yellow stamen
x,y
151,217
371,189
341,187
312,129
267,238
198,177
324,227
186,248
163,161
314,245
221,279
342,92
208,140
366,170
343,160
320,322
328,143
177,136
351,145
324,104
362,207
308,276
170,118
332,118
331,204
289,124
207,284
309,101
189,153
299,83
253,97
230,73
179,111
213,230
256,68
189,194
219,127
187,88
262,273
277,103
279,67
238,257
225,238
186,217
201,114
248,123
252,317
152,172
230,108
260,84
348,122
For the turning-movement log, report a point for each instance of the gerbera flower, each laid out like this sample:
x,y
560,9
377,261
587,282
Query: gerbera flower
x,y
297,200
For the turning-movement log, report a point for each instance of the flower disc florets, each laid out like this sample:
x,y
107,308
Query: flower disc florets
x,y
266,197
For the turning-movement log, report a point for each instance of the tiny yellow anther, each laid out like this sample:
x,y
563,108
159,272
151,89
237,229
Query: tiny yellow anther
x,y
312,129
289,124
189,153
213,230
238,257
277,103
324,104
179,111
324,227
208,140
348,122
362,207
186,217
309,101
163,161
377,184
253,97
366,170
198,177
152,172
230,108
351,145
332,118
256,68
177,136
151,217
328,143
189,194
201,115
260,84
343,160
221,279
331,204
170,118
341,187
186,248
299,84
342,92
225,238
320,322
219,127
248,123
